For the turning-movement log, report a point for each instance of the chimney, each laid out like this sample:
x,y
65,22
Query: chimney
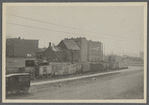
x,y
49,44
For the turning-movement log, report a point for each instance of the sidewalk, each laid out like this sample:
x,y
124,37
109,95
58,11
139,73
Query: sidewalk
x,y
65,76
55,80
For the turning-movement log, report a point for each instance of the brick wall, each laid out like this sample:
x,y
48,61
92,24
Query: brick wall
x,y
83,49
82,43
9,48
21,47
60,69
95,51
24,47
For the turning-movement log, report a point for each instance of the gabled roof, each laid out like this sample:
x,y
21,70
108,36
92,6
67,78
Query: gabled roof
x,y
56,48
71,45
41,49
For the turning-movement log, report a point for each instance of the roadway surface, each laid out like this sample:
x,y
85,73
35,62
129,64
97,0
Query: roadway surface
x,y
124,84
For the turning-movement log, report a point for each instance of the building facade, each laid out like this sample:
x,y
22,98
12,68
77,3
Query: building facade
x,y
71,50
89,50
82,44
95,51
17,47
65,51
51,54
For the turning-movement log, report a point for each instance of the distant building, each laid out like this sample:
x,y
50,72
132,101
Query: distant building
x,y
116,61
63,52
82,44
131,54
90,50
115,58
95,51
71,50
125,56
17,47
50,54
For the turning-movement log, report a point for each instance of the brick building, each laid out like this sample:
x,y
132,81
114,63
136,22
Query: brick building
x,y
71,50
17,47
51,54
76,49
63,52
82,44
95,51
90,50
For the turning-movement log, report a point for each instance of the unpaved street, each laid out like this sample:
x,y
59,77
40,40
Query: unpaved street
x,y
120,85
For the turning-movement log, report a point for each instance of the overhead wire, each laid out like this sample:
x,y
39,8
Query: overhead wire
x,y
58,24
63,31
54,24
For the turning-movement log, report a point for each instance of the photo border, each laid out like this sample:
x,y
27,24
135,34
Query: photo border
x,y
74,4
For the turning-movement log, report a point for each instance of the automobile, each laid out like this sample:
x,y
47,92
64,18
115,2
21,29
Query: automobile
x,y
18,82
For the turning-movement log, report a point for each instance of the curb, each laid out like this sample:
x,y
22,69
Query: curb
x,y
75,78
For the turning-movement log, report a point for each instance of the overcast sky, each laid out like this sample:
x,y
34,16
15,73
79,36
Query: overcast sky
x,y
119,28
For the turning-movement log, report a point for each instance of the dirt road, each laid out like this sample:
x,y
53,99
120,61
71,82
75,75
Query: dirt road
x,y
119,85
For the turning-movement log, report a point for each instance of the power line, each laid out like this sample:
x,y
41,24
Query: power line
x,y
62,25
47,22
55,24
62,31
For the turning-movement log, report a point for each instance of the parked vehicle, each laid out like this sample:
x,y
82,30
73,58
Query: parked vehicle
x,y
19,82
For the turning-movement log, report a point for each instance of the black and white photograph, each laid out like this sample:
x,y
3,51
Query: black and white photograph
x,y
74,52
